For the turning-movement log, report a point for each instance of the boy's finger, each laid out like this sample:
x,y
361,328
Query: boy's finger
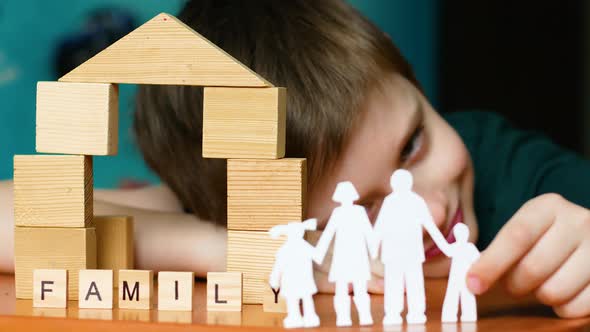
x,y
578,307
513,241
543,260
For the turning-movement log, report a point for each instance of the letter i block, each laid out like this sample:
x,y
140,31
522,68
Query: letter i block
x,y
135,289
224,291
95,290
50,288
175,291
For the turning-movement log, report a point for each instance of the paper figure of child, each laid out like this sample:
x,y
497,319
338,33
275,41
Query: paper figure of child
x,y
293,273
349,224
399,230
463,255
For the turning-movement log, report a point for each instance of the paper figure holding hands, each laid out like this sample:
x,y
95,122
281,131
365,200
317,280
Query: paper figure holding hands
x,y
463,255
293,272
351,228
399,230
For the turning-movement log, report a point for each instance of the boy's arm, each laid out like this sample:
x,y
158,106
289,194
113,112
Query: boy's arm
x,y
6,228
163,240
159,198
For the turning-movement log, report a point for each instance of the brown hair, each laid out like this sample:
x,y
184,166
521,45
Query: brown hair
x,y
324,52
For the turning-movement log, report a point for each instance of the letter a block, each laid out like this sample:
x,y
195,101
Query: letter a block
x,y
244,122
175,291
95,290
77,118
50,288
224,291
135,289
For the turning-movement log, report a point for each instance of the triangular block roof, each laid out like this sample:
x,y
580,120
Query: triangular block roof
x,y
165,51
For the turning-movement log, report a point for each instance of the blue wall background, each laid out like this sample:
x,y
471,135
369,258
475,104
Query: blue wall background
x,y
30,28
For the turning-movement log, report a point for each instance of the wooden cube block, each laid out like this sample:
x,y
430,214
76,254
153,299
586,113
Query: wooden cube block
x,y
77,118
115,244
175,290
244,122
136,288
265,193
253,254
71,249
272,299
95,289
224,291
50,288
53,191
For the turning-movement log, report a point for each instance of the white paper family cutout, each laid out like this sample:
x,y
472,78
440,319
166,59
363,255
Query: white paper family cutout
x,y
398,232
293,272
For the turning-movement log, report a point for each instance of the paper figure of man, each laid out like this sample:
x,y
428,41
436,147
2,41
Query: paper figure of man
x,y
399,231
349,224
293,273
463,255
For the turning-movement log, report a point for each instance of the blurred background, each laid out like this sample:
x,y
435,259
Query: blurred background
x,y
523,59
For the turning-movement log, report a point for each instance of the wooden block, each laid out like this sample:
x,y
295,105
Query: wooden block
x,y
95,289
253,254
50,288
136,288
115,244
272,299
175,291
53,191
224,291
265,193
165,51
77,118
72,249
244,123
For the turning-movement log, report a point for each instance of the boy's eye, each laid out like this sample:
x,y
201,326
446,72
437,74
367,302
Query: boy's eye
x,y
413,145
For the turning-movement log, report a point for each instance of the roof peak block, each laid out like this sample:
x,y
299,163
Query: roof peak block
x,y
165,51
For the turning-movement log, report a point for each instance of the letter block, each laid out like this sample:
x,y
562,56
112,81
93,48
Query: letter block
x,y
224,291
77,118
114,244
175,291
244,122
50,288
272,300
53,191
95,290
265,193
136,289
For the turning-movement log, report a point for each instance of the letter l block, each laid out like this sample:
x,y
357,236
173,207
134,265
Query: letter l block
x,y
224,291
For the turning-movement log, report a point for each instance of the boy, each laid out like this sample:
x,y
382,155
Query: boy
x,y
356,112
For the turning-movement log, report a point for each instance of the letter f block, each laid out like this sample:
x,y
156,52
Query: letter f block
x,y
50,288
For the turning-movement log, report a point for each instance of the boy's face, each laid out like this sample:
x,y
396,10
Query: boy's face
x,y
400,129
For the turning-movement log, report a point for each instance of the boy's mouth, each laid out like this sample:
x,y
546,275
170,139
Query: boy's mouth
x,y
433,250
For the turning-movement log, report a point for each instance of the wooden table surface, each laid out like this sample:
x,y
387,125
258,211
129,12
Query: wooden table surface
x,y
497,313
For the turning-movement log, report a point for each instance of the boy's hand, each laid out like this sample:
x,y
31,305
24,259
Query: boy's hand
x,y
544,248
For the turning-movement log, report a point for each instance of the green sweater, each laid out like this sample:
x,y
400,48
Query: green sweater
x,y
513,166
